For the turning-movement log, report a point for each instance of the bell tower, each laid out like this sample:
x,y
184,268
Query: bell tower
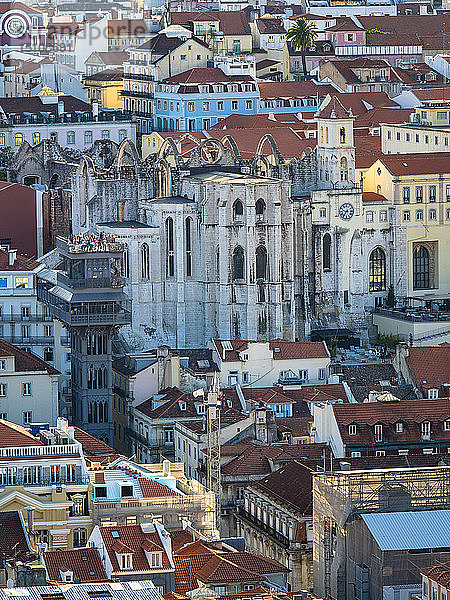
x,y
335,147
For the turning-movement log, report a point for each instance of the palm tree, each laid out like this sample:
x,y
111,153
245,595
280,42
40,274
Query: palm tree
x,y
302,36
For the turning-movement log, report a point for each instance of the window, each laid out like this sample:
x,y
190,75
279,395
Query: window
x,y
369,216
188,234
249,104
105,134
406,215
421,268
432,193
355,454
238,211
377,270
419,215
101,491
399,427
191,106
378,430
432,214
383,216
342,135
220,105
19,139
122,134
321,374
380,452
205,106
27,417
48,354
26,389
126,491
406,195
145,261
22,282
3,390
433,394
170,256
425,428
79,537
54,137
234,105
36,138
88,137
261,262
419,193
183,56
71,137
238,263
447,425
322,213
344,169
245,377
326,252
155,559
352,430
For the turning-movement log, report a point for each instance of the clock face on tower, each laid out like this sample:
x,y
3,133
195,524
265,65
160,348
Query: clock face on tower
x,y
346,211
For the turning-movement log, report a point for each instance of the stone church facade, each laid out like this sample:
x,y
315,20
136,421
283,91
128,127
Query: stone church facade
x,y
218,246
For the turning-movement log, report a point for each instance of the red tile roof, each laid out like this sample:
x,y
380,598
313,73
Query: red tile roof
x,y
439,573
373,197
270,26
230,22
410,412
334,109
21,263
25,361
201,75
154,489
91,445
220,570
294,89
180,537
85,564
132,539
281,349
430,366
14,543
429,163
185,570
290,487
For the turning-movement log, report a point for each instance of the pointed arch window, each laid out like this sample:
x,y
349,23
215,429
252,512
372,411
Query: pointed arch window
x,y
261,263
344,169
238,263
170,254
260,209
145,261
421,268
188,234
326,252
377,270
342,135
238,211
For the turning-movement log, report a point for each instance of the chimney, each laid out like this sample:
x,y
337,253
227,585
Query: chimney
x,y
60,108
29,510
12,257
95,109
166,468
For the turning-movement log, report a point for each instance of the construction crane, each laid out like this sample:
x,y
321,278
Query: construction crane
x,y
212,414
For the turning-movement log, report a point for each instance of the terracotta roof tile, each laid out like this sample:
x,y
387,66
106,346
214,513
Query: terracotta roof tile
x,y
231,22
430,366
334,109
154,489
220,570
439,573
25,361
294,89
13,540
428,163
85,563
91,445
21,262
282,349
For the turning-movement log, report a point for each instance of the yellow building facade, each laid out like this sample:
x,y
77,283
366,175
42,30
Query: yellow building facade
x,y
106,88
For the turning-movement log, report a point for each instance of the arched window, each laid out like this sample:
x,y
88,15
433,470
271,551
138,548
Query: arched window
x,y
170,256
238,211
162,180
36,138
261,262
260,209
238,263
326,135
19,139
344,169
326,252
421,268
188,233
378,189
342,135
377,270
321,135
126,262
145,261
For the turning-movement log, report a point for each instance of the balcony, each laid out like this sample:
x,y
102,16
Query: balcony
x,y
270,531
138,77
51,119
91,282
19,318
32,340
133,94
84,246
37,451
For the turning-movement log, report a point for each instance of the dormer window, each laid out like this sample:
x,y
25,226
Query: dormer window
x,y
447,425
126,562
425,428
433,394
201,409
66,576
182,405
399,427
352,429
155,559
378,431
